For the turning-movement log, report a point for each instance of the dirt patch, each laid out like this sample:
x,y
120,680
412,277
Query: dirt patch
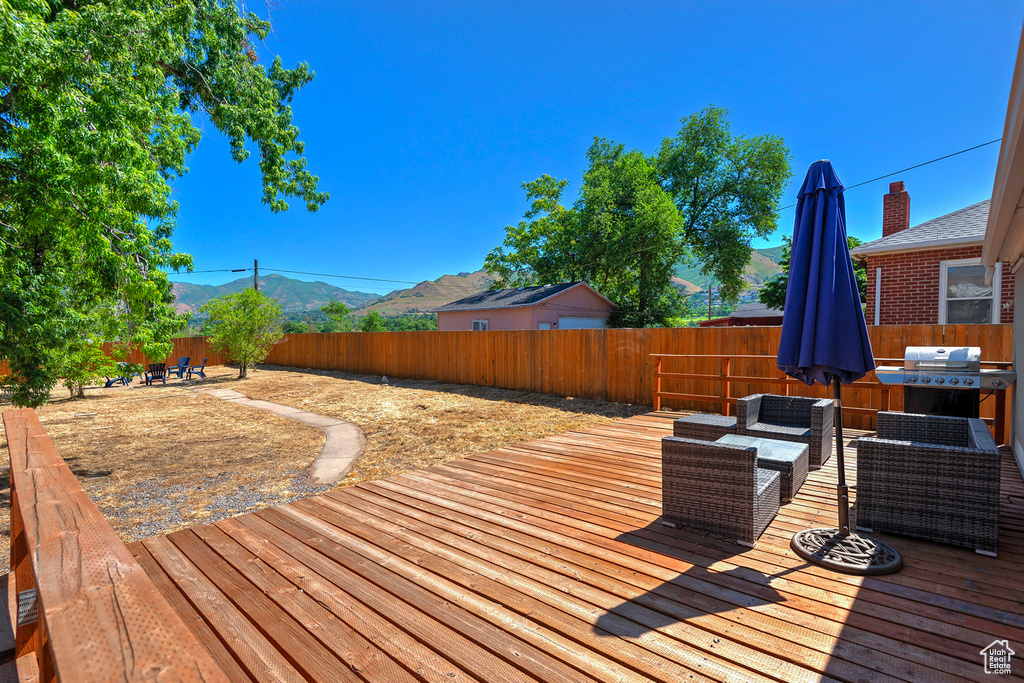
x,y
156,459
411,424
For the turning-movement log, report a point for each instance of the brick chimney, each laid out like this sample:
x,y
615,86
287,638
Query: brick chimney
x,y
895,209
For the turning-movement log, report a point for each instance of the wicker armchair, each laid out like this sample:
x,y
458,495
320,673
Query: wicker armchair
x,y
789,418
717,489
930,477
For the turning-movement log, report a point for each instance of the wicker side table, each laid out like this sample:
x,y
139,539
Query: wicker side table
x,y
785,457
704,426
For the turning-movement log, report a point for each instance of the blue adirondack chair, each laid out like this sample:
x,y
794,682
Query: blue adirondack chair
x,y
124,378
157,371
180,368
197,369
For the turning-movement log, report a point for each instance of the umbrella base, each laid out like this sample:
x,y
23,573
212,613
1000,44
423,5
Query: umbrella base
x,y
852,553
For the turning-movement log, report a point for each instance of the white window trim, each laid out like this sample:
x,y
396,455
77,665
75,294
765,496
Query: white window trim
x,y
482,322
997,290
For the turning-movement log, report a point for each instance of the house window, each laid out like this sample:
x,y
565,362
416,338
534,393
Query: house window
x,y
963,295
479,324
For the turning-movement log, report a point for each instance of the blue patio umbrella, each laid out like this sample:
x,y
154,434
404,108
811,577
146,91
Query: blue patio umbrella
x,y
825,340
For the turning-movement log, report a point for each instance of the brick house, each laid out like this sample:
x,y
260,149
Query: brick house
x,y
932,273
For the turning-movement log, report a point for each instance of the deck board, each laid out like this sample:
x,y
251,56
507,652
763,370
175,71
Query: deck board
x,y
546,560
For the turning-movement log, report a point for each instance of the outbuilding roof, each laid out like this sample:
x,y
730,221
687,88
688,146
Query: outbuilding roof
x,y
966,226
514,298
754,310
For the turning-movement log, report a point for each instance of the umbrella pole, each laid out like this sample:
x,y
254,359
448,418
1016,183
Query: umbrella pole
x,y
839,549
842,491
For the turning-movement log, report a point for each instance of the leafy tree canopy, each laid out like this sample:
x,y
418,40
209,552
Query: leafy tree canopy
x,y
704,195
336,311
99,106
243,326
727,190
372,322
773,293
621,236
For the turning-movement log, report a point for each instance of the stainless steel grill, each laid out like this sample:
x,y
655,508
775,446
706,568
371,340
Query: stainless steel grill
x,y
940,380
951,367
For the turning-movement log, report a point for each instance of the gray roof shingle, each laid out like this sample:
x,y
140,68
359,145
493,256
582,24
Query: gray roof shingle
x,y
506,298
964,225
754,310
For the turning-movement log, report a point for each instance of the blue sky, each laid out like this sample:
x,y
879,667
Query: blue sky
x,y
425,118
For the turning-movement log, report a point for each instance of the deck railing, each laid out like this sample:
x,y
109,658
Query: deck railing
x,y
726,380
82,607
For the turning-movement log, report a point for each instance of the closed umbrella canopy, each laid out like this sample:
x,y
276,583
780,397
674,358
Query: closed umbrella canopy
x,y
823,330
825,340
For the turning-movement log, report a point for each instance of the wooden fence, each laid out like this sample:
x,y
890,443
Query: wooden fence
x,y
609,365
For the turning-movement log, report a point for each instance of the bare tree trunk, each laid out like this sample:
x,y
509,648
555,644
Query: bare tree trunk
x,y
243,368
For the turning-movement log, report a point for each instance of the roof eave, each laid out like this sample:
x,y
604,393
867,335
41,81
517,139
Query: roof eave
x,y
1004,233
922,245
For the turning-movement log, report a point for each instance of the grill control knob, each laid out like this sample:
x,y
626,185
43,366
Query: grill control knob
x,y
912,379
954,380
996,382
968,381
939,380
926,379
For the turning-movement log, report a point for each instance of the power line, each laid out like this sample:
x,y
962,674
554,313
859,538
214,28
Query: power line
x,y
346,277
911,168
586,265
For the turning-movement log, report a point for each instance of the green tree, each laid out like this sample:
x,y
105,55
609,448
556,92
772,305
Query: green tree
x,y
705,195
339,316
773,292
84,363
243,326
621,237
100,104
727,190
372,322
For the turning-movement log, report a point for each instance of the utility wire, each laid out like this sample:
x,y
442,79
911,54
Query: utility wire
x,y
911,168
585,265
347,277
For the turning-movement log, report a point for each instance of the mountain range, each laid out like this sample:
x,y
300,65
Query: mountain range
x,y
293,295
299,295
764,263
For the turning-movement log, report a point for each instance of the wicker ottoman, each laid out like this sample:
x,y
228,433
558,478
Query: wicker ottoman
x,y
789,459
703,426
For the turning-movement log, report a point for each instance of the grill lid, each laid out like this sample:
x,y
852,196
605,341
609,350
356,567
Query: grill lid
x,y
942,359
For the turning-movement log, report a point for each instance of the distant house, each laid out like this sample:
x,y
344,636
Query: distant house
x,y
566,306
747,315
932,273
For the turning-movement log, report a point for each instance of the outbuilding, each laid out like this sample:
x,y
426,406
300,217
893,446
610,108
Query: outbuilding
x,y
564,306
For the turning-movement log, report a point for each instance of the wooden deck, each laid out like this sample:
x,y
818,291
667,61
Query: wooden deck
x,y
546,561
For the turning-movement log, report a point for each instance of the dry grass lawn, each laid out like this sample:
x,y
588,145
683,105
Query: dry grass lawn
x,y
160,458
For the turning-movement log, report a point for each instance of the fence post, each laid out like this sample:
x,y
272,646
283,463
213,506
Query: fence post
x,y
726,386
657,383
